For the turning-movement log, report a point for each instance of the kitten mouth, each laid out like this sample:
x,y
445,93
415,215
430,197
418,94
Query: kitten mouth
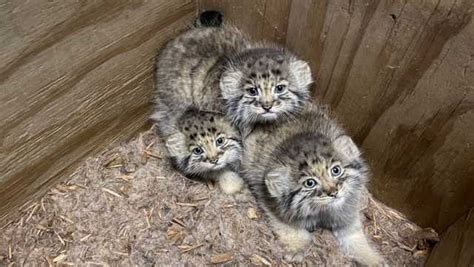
x,y
328,199
269,115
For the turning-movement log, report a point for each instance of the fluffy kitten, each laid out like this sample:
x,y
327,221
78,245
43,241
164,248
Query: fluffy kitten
x,y
308,174
220,69
201,142
264,85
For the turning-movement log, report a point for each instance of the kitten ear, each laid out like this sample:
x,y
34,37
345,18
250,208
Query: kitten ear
x,y
277,181
346,147
229,83
176,145
302,73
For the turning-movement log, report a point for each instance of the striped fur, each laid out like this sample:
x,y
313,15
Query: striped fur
x,y
291,170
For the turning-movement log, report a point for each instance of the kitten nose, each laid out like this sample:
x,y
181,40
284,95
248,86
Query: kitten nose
x,y
267,106
213,160
332,191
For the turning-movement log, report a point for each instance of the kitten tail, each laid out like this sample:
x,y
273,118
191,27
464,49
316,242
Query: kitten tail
x,y
209,18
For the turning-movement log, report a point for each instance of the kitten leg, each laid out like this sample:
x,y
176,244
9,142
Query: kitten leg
x,y
293,239
353,241
230,182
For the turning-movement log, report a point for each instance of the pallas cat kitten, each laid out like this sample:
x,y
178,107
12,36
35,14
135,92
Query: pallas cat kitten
x,y
189,113
222,70
308,174
263,84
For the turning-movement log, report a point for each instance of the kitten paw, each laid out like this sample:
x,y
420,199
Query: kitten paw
x,y
355,244
230,183
294,242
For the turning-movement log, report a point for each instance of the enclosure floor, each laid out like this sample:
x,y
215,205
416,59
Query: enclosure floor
x,y
128,207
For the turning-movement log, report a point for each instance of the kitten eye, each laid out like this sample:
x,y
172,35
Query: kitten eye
x,y
336,171
198,151
310,183
220,141
252,91
280,88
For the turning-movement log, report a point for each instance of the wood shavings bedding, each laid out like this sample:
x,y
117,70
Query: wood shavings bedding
x,y
128,207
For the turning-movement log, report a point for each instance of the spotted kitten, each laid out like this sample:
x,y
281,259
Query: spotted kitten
x,y
308,174
222,70
264,85
207,146
188,112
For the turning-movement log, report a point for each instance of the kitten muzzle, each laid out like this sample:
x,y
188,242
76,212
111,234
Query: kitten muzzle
x,y
330,188
267,106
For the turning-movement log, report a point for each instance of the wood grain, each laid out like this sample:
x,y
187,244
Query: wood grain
x,y
455,248
262,19
74,77
400,76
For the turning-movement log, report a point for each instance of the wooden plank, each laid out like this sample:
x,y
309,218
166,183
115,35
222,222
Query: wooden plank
x,y
455,247
74,77
305,29
400,76
262,19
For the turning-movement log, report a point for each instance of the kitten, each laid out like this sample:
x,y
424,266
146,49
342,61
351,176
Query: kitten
x,y
201,142
308,174
264,85
220,69
190,66
207,146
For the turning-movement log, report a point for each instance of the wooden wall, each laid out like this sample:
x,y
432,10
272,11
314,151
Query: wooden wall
x,y
400,76
261,19
455,248
74,77
77,75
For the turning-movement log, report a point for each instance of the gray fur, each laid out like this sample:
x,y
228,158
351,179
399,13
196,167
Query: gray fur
x,y
264,69
280,160
189,67
208,69
217,65
204,130
188,96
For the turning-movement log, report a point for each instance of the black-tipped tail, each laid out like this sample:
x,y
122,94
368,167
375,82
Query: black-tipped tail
x,y
210,18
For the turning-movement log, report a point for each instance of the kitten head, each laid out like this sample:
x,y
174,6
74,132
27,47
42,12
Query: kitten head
x,y
265,84
206,142
312,173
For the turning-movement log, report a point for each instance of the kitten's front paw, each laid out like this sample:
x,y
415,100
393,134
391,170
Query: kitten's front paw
x,y
295,243
230,182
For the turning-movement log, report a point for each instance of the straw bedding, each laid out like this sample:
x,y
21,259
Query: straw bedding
x,y
128,207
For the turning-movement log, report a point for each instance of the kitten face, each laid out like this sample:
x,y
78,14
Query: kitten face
x,y
265,85
316,174
209,143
